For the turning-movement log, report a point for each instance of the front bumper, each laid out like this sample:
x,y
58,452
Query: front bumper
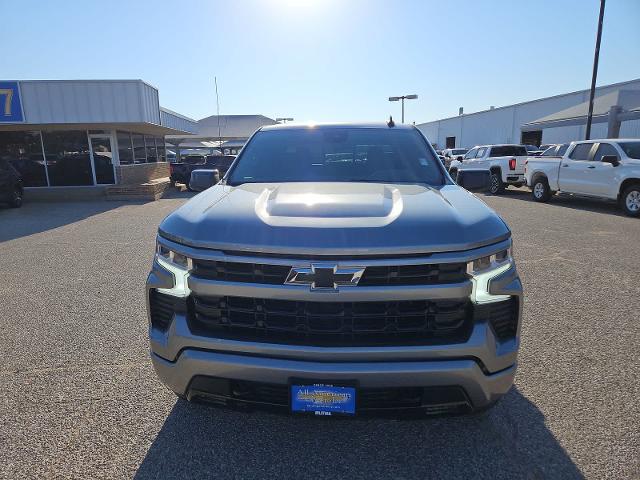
x,y
484,366
482,389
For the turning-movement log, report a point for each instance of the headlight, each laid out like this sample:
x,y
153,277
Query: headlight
x,y
179,265
483,269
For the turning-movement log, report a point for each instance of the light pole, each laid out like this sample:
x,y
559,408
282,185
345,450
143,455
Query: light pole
x,y
596,56
408,97
284,119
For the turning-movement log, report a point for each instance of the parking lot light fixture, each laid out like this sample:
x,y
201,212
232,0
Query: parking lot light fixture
x,y
402,98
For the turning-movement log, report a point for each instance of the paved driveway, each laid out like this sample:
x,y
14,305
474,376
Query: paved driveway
x,y
78,396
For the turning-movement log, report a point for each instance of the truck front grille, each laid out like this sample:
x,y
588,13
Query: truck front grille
x,y
264,273
332,324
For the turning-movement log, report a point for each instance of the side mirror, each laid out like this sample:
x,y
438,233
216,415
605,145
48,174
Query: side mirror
x,y
612,159
474,180
202,179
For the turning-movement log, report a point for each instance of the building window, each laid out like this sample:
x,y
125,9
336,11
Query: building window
x,y
150,142
24,151
125,149
138,148
68,160
162,151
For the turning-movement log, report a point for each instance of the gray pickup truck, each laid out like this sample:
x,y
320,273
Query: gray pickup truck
x,y
336,270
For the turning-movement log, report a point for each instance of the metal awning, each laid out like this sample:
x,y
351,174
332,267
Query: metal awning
x,y
136,127
628,100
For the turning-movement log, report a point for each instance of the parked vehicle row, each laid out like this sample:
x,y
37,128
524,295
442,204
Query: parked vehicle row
x,y
608,169
181,171
605,169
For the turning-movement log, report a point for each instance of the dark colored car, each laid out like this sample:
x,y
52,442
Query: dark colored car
x,y
11,187
533,151
219,162
181,172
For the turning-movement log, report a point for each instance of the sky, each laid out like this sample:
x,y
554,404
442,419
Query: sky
x,y
325,60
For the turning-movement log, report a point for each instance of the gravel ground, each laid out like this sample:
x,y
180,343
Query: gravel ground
x,y
79,399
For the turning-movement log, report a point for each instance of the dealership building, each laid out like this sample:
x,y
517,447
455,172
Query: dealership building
x,y
557,119
89,136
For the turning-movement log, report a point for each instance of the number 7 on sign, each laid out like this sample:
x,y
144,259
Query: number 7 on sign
x,y
8,93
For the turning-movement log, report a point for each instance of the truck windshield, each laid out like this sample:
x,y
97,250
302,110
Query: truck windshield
x,y
337,154
632,149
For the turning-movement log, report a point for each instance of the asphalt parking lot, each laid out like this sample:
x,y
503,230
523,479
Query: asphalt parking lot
x,y
79,398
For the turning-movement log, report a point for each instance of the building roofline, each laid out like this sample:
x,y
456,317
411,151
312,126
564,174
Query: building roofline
x,y
179,115
86,80
619,84
254,115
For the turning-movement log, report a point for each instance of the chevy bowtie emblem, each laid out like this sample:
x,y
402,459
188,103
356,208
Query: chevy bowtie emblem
x,y
325,277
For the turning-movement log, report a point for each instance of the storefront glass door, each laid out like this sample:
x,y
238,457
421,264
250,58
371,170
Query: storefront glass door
x,y
102,158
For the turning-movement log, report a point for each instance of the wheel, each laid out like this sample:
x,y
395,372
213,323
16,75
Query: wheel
x,y
630,200
540,190
16,198
454,175
496,187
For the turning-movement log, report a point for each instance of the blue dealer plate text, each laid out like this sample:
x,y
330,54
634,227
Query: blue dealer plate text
x,y
323,399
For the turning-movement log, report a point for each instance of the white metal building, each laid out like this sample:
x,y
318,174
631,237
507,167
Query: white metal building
x,y
556,119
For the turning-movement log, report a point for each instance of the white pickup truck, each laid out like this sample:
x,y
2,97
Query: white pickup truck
x,y
608,169
505,162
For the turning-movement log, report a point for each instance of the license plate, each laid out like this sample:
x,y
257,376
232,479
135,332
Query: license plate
x,y
323,399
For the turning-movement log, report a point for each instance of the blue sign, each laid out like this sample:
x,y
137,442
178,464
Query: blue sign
x,y
10,103
323,399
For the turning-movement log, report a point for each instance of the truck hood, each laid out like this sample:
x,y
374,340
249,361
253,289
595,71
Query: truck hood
x,y
335,219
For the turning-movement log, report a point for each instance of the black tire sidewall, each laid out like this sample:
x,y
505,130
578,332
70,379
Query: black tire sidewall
x,y
500,186
623,200
547,191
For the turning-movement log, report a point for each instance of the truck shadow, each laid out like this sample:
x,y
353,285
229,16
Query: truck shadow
x,y
569,201
509,441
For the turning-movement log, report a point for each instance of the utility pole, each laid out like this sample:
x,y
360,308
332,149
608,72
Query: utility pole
x,y
596,56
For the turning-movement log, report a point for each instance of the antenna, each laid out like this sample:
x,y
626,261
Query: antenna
x,y
215,79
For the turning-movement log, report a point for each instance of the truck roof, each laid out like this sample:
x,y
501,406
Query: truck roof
x,y
298,126
607,140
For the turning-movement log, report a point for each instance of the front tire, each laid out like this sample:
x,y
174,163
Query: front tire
x,y
16,198
496,187
630,200
540,190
